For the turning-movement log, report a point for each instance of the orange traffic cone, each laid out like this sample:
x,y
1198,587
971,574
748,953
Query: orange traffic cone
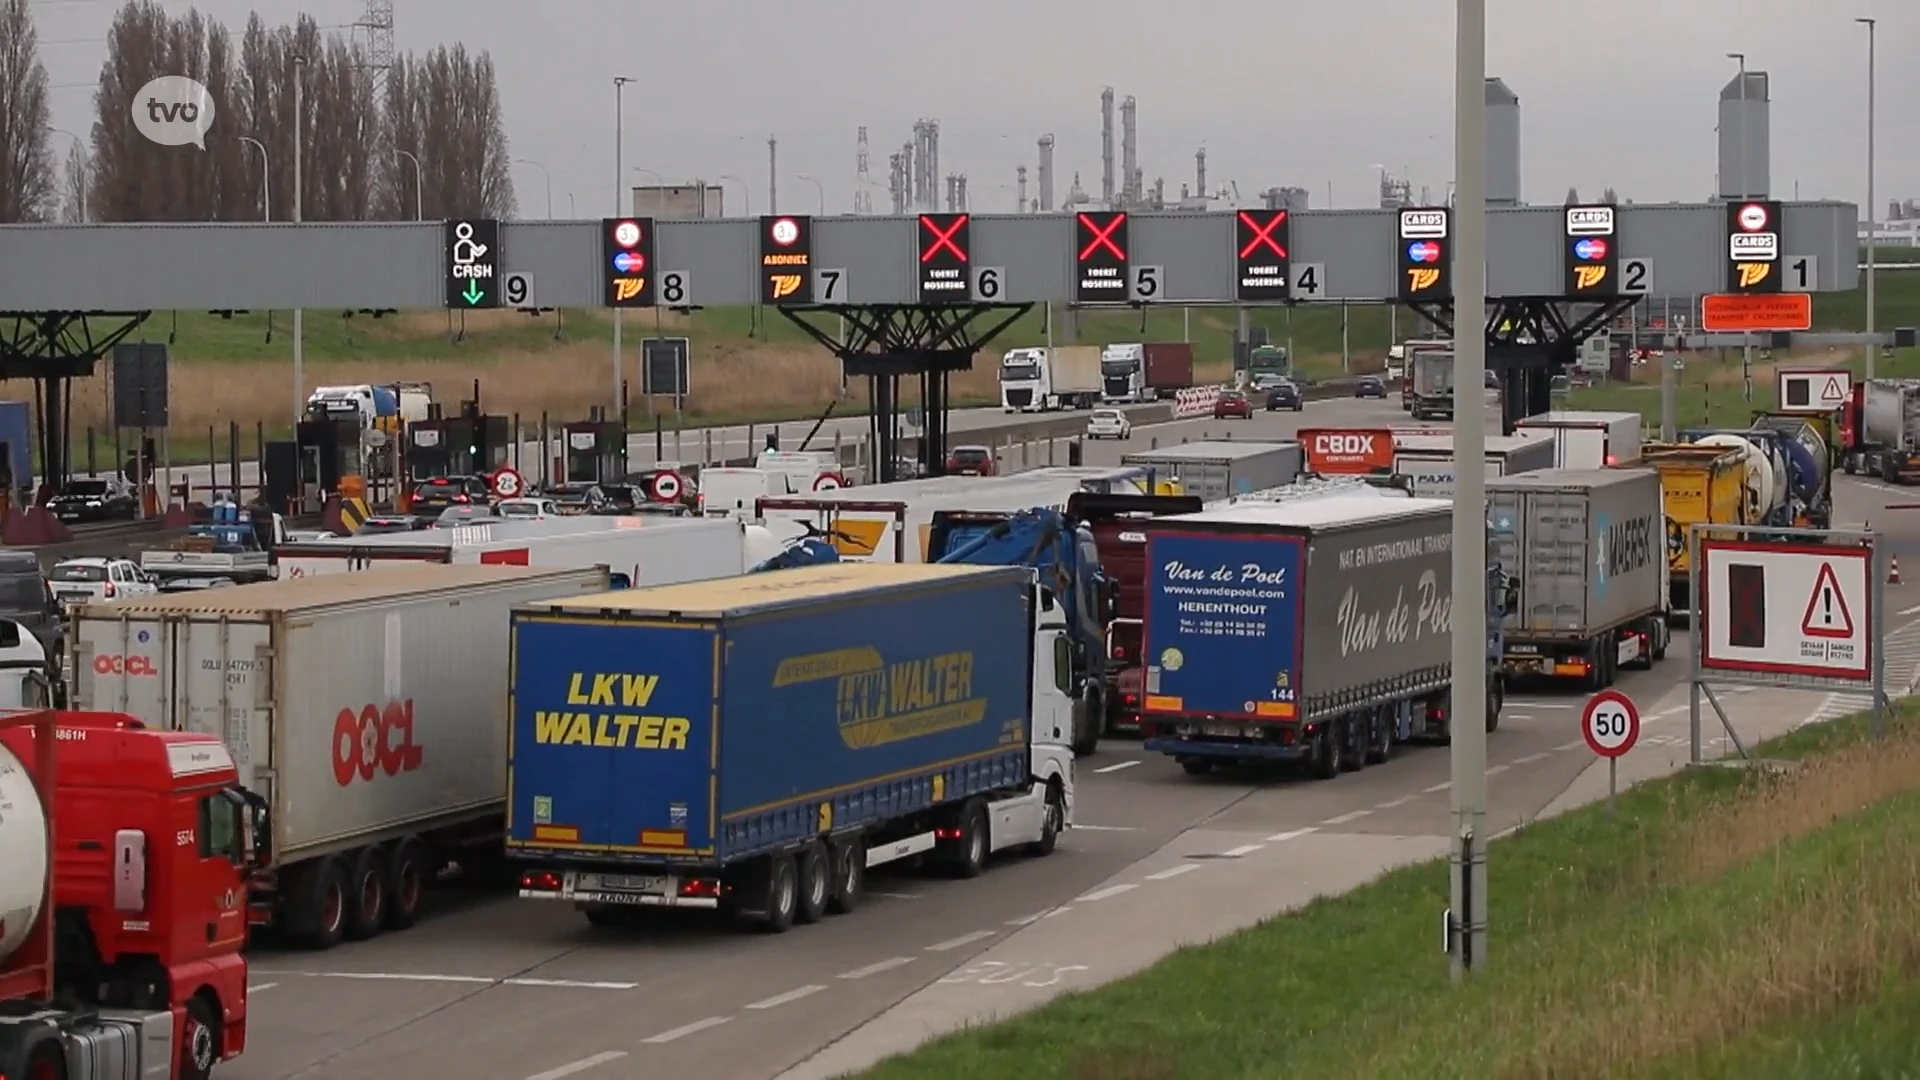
x,y
1893,569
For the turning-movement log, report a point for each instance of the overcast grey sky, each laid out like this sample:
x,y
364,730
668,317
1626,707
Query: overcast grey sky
x,y
1278,93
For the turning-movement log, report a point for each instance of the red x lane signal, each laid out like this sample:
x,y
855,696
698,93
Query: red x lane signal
x,y
1261,235
939,236
1100,235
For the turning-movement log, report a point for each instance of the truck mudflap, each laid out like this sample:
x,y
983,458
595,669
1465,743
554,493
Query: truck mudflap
x,y
1636,645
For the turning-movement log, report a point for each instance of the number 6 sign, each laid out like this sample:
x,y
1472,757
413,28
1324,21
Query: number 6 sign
x,y
1610,723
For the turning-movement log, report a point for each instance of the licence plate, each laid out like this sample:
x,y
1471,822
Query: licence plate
x,y
622,882
1223,731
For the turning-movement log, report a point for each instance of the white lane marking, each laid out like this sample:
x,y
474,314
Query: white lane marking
x,y
1342,819
1914,610
1574,745
386,976
1530,759
782,999
1102,894
1242,850
262,986
1061,910
574,984
898,895
1172,871
1116,767
582,1065
1401,801
1543,704
1107,828
1292,834
1436,789
876,968
1496,770
963,939
1027,920
685,1030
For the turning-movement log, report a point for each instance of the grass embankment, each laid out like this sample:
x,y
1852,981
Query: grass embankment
x,y
1729,924
1711,390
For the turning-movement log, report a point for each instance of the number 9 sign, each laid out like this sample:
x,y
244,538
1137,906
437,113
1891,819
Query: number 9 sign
x,y
1610,723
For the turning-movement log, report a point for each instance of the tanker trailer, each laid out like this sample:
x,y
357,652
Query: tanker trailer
x,y
1888,443
1810,456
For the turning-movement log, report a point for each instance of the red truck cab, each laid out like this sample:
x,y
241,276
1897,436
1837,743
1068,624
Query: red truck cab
x,y
1114,521
127,954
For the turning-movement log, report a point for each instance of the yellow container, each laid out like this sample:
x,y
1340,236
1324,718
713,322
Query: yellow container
x,y
1699,485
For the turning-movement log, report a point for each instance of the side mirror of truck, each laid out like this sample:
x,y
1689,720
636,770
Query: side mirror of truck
x,y
1510,598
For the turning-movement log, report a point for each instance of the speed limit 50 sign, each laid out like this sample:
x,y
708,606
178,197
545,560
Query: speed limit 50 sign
x,y
1610,723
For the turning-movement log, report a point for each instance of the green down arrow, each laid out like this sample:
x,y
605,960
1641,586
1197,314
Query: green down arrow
x,y
473,295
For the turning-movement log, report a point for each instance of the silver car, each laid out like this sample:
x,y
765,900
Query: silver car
x,y
1109,424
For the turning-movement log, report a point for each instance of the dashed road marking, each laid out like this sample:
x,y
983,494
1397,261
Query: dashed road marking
x,y
685,1030
1292,834
897,895
1116,767
963,939
1061,910
1102,894
1530,759
1106,828
1342,819
581,1065
1172,871
1436,789
572,984
876,968
778,1000
1574,745
1496,770
262,986
1027,920
1401,801
1241,851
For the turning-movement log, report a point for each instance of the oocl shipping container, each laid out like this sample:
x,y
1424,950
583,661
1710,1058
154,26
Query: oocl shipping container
x,y
367,710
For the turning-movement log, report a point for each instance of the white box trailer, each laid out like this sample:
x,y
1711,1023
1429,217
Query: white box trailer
x,y
890,522
637,549
1589,439
367,712
1427,461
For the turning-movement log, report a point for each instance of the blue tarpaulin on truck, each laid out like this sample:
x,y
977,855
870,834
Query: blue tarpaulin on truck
x,y
714,720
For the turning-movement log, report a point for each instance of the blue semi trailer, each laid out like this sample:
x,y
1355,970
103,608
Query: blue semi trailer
x,y
755,744
1317,630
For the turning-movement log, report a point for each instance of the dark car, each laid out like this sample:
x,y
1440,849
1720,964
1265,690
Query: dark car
x,y
1284,395
95,498
455,516
391,523
1232,403
971,461
441,492
1370,386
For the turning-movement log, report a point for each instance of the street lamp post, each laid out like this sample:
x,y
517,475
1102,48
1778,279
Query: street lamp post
x,y
820,193
299,316
1467,932
1873,216
266,177
419,202
1740,151
549,181
619,184
82,143
746,192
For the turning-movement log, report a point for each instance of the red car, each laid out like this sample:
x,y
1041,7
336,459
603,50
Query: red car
x,y
971,461
1232,403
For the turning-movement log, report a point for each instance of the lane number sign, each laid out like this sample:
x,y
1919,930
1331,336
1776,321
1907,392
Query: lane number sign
x,y
1610,723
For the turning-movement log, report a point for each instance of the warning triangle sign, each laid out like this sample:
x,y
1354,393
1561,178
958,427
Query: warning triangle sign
x,y
1827,615
1832,394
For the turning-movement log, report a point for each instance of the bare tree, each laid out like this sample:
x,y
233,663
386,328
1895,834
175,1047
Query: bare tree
x,y
27,187
1573,196
345,129
73,180
1610,197
457,123
122,183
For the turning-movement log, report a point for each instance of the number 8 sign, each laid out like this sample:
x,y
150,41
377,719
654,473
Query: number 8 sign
x,y
1610,723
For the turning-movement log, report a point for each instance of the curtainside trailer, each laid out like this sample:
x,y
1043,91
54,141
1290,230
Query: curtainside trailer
x,y
755,745
366,711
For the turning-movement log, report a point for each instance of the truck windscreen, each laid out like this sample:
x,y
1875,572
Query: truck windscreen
x,y
1019,372
1118,368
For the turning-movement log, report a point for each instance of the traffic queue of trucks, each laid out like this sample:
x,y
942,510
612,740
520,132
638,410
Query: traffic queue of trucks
x,y
1046,380
1149,372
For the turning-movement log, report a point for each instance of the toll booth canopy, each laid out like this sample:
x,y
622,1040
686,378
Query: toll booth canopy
x,y
596,452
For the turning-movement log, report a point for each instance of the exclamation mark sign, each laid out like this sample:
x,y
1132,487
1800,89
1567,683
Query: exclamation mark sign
x,y
1826,597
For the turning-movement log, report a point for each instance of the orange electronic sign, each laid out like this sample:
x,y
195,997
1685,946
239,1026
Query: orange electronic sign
x,y
1744,312
786,259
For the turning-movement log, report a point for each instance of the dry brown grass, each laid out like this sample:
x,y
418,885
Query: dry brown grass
x,y
565,381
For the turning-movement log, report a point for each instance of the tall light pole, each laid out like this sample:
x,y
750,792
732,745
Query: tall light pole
x,y
299,316
819,192
745,191
82,144
549,179
619,209
1740,149
1467,719
419,202
1873,215
266,177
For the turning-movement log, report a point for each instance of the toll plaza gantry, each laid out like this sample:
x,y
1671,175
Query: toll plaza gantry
x,y
920,294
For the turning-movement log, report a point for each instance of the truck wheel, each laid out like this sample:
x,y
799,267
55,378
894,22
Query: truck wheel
x,y
1197,766
783,895
970,850
1053,818
1351,735
1380,736
366,894
1661,637
199,1041
316,904
816,883
1323,761
48,1062
849,876
406,884
1088,711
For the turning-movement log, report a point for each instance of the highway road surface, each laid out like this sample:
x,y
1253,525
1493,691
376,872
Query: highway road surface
x,y
496,987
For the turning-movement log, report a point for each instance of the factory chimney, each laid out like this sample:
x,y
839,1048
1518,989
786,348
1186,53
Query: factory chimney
x,y
1129,153
1046,174
1106,146
1020,190
1200,172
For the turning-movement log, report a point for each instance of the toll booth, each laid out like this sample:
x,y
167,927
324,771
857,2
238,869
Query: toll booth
x,y
329,459
471,444
595,453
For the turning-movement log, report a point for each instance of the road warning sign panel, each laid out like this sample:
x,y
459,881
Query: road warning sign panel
x,y
1812,390
1786,609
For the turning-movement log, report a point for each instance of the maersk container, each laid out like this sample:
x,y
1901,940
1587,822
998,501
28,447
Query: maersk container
x,y
1287,612
1218,469
705,724
364,709
1585,547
